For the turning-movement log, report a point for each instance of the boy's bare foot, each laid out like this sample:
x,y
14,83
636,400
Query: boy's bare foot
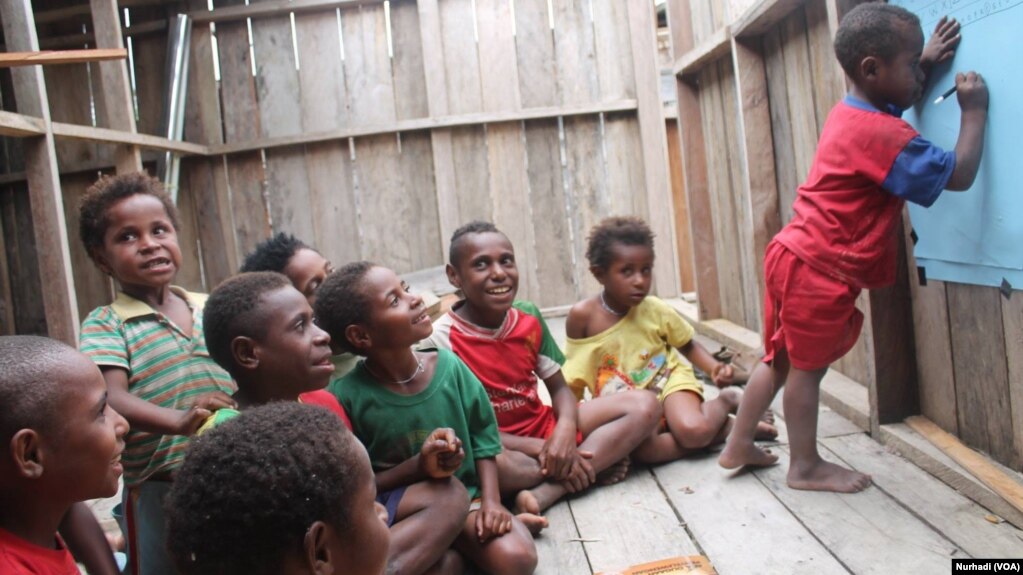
x,y
526,502
615,473
535,523
826,476
735,456
765,432
768,416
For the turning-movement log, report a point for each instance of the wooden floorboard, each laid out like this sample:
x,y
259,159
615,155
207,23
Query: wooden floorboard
x,y
956,517
740,525
559,547
869,532
629,523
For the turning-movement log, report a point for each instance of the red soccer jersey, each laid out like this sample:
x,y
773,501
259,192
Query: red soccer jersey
x,y
324,398
19,557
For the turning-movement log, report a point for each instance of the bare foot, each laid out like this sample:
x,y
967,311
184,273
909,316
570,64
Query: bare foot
x,y
730,396
615,473
748,454
765,432
535,523
826,476
526,502
768,416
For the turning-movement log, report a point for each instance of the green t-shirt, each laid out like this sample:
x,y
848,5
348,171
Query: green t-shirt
x,y
393,426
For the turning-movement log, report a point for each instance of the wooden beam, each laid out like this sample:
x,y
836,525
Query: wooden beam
x,y
116,97
50,16
130,139
428,123
47,205
716,46
1006,487
19,125
760,17
643,35
89,39
272,8
11,59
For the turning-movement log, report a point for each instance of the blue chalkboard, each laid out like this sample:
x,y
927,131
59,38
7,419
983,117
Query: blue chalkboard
x,y
976,236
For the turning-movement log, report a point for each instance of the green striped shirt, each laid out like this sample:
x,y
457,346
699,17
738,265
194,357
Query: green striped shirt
x,y
165,366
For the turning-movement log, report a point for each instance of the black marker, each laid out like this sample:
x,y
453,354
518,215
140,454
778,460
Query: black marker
x,y
947,93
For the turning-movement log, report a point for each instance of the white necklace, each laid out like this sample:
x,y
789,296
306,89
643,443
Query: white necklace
x,y
419,369
609,309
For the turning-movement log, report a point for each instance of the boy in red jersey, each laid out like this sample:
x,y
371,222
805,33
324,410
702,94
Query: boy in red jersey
x,y
842,237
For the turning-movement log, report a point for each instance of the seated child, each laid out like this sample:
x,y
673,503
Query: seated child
x,y
842,237
305,267
623,339
149,345
261,330
395,396
62,444
282,489
549,451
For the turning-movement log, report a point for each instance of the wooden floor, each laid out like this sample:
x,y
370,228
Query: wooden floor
x,y
908,522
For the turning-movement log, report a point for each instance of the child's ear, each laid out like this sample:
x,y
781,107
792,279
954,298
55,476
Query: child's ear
x,y
26,452
244,351
316,546
869,67
598,274
101,262
453,278
358,336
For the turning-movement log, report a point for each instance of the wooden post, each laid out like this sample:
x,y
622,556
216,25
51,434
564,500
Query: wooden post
x,y
642,30
694,162
759,181
50,228
113,83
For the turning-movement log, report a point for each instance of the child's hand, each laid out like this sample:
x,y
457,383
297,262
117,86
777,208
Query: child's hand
x,y
971,92
191,420
942,44
558,454
723,375
441,454
492,520
581,475
214,401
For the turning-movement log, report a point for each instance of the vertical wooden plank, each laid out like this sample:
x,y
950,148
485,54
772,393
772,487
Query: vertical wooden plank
x,y
206,178
321,75
408,62
47,208
557,281
69,102
190,275
759,181
683,240
7,325
421,194
498,67
893,392
1012,320
203,123
437,101
828,78
149,52
377,162
534,46
92,286
800,91
280,114
981,372
781,125
113,82
616,68
471,174
332,192
241,119
725,226
27,294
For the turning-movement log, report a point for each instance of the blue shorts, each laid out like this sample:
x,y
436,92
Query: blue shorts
x,y
390,500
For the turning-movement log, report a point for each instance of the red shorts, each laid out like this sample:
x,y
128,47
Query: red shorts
x,y
809,314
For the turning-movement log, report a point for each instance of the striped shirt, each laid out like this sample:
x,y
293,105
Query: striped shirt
x,y
165,366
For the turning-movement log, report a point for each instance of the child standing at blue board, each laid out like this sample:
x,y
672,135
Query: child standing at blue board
x,y
842,236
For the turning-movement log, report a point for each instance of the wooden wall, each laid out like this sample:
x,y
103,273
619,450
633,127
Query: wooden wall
x,y
372,131
756,80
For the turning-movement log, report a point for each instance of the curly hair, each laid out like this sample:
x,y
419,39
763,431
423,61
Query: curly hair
x,y
233,310
871,29
107,191
273,255
341,301
473,227
32,370
627,230
250,488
